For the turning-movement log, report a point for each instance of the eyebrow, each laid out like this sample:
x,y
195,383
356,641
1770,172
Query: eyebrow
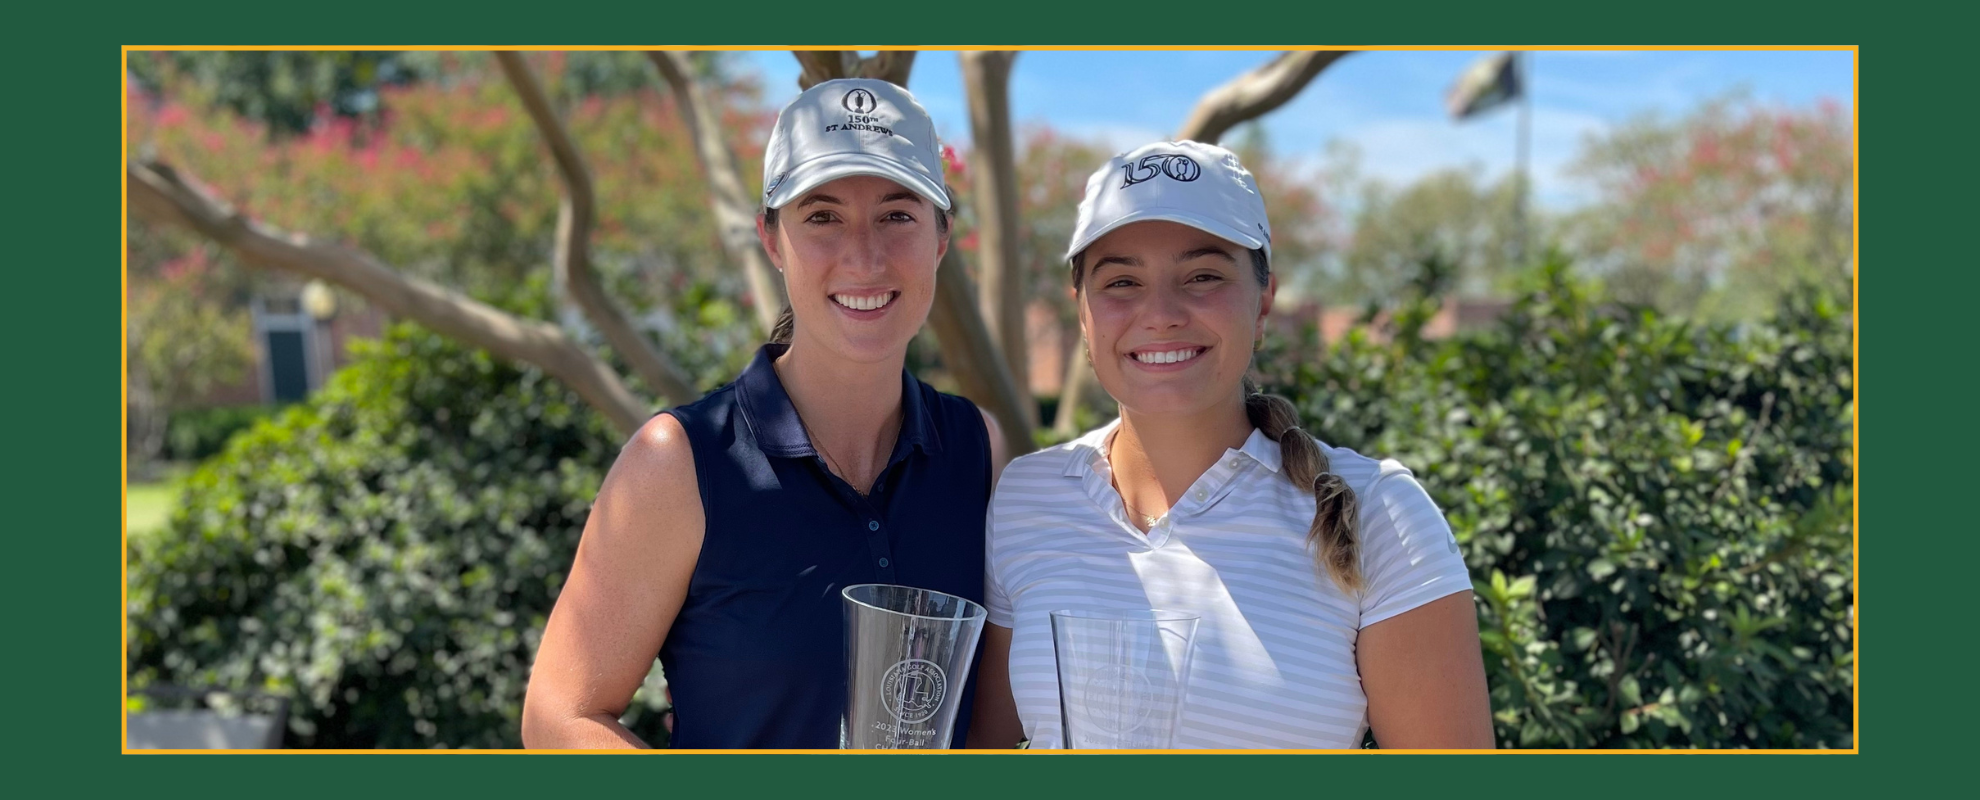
x,y
1185,257
1205,251
828,199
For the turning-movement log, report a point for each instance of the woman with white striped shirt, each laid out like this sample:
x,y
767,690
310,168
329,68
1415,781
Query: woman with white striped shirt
x,y
1332,596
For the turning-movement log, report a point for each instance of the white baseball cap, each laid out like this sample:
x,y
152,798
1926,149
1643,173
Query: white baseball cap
x,y
852,126
1192,183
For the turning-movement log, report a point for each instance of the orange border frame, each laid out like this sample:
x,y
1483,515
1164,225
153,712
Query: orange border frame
x,y
1856,413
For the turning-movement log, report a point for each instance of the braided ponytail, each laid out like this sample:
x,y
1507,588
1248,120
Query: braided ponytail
x,y
1333,535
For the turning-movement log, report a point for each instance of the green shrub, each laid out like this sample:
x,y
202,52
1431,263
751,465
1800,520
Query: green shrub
x,y
386,554
196,434
1656,514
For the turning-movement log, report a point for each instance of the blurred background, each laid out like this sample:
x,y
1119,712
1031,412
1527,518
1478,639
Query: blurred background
x,y
392,313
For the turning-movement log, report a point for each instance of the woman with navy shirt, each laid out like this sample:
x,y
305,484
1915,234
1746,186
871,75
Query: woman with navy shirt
x,y
722,536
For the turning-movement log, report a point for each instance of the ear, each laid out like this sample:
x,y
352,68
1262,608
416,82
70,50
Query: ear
x,y
1266,298
769,240
942,237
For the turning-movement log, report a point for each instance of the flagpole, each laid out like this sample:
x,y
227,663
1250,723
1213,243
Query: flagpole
x,y
1524,145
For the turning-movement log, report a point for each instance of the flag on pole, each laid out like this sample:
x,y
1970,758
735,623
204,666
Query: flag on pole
x,y
1488,83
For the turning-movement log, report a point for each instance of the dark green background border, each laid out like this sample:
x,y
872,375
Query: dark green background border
x,y
62,335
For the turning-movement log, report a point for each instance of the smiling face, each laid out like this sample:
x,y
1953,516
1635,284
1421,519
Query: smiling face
x,y
1171,313
858,256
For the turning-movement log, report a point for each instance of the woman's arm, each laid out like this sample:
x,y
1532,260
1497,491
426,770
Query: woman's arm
x,y
999,452
1425,677
625,588
993,721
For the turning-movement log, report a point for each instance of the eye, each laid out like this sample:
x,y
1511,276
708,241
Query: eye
x,y
1120,282
820,218
1206,278
899,216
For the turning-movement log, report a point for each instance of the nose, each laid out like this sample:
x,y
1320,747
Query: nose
x,y
1165,310
863,253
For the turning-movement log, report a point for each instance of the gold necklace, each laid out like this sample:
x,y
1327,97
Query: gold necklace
x,y
1145,519
857,486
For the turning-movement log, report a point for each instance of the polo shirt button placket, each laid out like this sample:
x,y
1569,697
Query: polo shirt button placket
x,y
882,558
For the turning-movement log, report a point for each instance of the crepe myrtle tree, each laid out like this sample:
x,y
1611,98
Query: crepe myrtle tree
x,y
981,334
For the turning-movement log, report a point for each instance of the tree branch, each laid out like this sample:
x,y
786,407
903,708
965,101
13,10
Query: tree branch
x,y
735,209
161,196
575,217
892,66
986,78
819,66
972,357
1255,93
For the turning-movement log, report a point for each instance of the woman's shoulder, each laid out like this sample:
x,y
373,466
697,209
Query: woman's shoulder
x,y
711,409
660,450
1368,475
1060,460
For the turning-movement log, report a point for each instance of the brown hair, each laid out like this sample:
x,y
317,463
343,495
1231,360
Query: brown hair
x,y
1334,533
786,325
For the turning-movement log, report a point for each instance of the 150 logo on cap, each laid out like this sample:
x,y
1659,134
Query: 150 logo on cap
x,y
1175,165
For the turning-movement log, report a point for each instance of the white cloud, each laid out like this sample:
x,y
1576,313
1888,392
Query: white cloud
x,y
1400,150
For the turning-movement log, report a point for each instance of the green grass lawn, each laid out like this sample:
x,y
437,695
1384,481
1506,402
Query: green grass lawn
x,y
151,503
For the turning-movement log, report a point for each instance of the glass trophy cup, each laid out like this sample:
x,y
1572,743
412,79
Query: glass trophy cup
x,y
908,654
1123,677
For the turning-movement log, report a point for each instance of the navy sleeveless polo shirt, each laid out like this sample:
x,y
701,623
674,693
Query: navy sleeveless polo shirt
x,y
755,659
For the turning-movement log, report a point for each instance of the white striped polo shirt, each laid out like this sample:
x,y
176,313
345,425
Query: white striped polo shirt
x,y
1274,664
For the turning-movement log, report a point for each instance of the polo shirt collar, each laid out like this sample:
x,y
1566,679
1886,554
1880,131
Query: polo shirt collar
x,y
1088,452
767,408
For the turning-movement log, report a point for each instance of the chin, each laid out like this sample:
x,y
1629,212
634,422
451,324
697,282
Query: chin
x,y
870,346
1166,401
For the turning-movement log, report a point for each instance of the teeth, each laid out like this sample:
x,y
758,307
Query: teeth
x,y
866,303
1167,356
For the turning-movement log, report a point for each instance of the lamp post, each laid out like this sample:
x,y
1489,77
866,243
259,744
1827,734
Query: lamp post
x,y
320,302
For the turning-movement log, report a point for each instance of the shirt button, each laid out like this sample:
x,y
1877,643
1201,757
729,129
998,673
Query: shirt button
x,y
873,525
1233,463
1200,494
883,562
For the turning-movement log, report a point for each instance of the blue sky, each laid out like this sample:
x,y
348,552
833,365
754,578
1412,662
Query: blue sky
x,y
1388,105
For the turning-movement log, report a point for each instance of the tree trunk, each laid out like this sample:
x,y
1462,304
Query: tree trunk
x,y
970,355
1079,382
161,196
987,76
735,207
1254,93
147,421
575,215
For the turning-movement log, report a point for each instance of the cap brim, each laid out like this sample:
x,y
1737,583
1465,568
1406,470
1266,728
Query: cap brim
x,y
1214,227
825,169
